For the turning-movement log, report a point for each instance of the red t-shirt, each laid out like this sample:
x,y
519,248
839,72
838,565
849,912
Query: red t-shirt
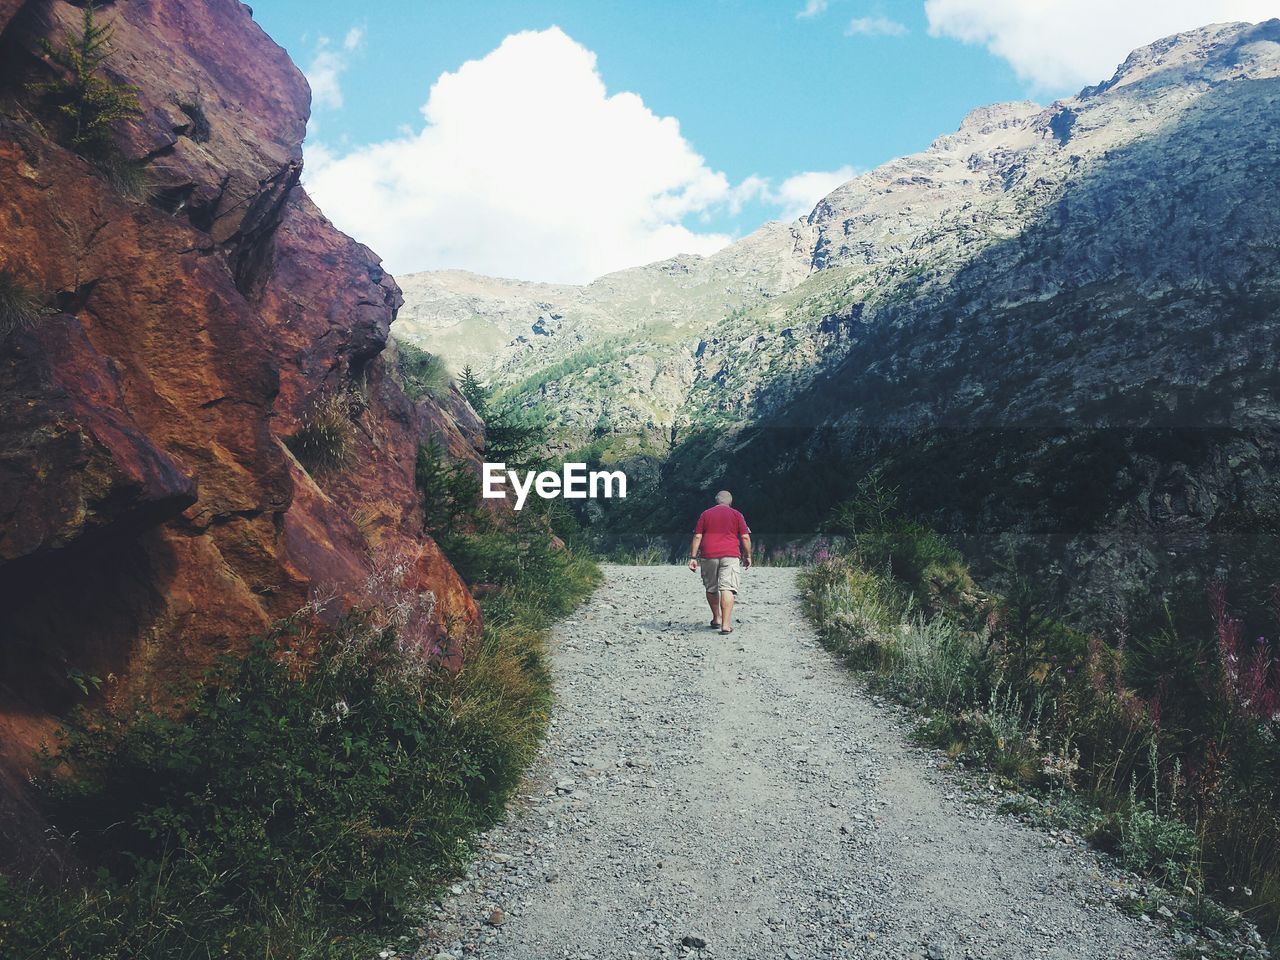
x,y
721,526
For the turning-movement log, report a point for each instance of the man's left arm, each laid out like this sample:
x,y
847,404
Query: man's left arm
x,y
693,551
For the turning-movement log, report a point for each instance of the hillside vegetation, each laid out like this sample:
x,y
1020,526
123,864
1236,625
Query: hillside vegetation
x,y
1158,740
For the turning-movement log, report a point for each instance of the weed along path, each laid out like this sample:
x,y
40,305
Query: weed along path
x,y
744,797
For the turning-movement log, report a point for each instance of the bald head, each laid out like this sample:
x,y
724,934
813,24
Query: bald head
x,y
724,498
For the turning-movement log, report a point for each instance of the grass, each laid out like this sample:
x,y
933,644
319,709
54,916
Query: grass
x,y
422,374
129,178
647,551
20,307
326,439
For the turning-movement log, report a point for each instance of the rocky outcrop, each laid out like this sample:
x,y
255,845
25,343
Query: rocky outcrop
x,y
151,516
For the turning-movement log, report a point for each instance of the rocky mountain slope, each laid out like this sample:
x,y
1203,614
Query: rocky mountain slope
x,y
511,326
152,516
1058,319
509,330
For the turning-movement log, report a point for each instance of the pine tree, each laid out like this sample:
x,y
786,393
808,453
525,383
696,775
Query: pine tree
x,y
514,437
511,435
450,492
474,391
91,104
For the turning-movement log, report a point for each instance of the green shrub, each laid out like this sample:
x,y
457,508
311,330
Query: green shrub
x,y
910,551
450,492
859,614
87,104
886,540
327,438
422,374
1156,845
294,801
534,556
19,306
552,578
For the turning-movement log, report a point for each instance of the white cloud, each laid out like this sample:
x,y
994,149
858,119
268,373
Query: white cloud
x,y
813,8
799,194
876,26
324,74
1059,44
795,197
754,189
527,167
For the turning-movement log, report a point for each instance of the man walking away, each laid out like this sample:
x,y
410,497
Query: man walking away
x,y
724,539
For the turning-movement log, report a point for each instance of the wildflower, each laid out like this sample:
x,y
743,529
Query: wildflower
x,y
1249,681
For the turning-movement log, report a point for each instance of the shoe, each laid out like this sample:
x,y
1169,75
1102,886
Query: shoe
x,y
715,625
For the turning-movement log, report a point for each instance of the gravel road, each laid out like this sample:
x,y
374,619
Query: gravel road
x,y
746,792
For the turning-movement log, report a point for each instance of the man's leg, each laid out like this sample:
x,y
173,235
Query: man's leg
x,y
713,601
726,609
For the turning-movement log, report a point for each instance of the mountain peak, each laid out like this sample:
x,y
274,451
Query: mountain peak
x,y
981,120
1216,52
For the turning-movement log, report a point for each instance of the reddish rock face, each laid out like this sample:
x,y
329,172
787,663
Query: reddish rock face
x,y
151,516
7,10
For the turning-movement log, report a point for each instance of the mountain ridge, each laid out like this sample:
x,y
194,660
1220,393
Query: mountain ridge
x,y
1046,302
434,305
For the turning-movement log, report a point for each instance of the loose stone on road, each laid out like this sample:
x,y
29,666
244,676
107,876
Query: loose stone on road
x,y
743,796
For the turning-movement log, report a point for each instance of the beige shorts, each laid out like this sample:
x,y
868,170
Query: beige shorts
x,y
720,574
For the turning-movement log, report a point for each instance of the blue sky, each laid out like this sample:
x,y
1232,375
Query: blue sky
x,y
776,102
756,89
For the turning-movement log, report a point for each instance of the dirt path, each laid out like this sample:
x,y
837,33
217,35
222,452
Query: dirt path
x,y
746,791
